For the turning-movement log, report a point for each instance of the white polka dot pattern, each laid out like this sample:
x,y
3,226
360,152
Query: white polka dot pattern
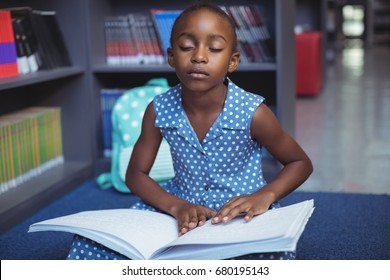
x,y
130,109
226,164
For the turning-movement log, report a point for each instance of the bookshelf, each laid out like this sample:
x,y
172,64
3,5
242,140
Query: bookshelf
x,y
65,87
378,22
275,80
76,89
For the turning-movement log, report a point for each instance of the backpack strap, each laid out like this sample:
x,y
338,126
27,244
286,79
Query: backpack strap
x,y
104,180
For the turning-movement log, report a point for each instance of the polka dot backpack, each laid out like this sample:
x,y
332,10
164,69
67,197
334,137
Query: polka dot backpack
x,y
126,121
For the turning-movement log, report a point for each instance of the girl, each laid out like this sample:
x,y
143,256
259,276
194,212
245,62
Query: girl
x,y
216,132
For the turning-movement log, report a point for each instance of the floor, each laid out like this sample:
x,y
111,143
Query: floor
x,y
346,128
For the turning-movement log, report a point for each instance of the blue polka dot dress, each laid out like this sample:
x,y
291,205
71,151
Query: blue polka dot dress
x,y
227,163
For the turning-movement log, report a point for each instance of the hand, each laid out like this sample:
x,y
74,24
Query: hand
x,y
190,216
251,205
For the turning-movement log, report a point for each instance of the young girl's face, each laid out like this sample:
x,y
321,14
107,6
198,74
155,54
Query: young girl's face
x,y
202,50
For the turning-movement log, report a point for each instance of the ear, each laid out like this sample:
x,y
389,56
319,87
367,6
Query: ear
x,y
170,58
234,62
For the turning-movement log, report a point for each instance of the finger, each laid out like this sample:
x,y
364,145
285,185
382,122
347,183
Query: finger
x,y
225,210
201,219
249,215
193,222
233,213
183,226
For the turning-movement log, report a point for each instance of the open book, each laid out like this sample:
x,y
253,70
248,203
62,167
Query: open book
x,y
140,234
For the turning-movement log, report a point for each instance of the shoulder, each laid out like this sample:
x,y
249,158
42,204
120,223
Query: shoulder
x,y
265,123
239,96
168,108
171,96
241,103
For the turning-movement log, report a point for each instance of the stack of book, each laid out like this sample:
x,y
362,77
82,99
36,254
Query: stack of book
x,y
144,38
132,39
108,97
163,21
30,143
254,40
8,57
37,37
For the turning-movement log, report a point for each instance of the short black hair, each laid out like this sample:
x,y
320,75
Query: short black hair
x,y
212,8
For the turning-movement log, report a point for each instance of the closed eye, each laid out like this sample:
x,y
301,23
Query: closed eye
x,y
215,49
186,49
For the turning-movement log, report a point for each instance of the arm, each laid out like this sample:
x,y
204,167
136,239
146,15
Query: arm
x,y
140,183
297,167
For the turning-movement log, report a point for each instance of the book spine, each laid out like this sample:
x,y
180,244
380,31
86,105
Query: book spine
x,y
29,145
109,41
108,98
248,39
243,45
16,152
8,53
263,34
122,33
22,145
151,57
29,45
156,49
250,27
3,155
112,34
163,21
129,44
2,161
137,37
58,152
20,48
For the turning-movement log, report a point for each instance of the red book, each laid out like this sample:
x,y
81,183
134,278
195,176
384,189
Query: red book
x,y
8,56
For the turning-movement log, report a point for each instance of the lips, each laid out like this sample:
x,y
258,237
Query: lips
x,y
198,73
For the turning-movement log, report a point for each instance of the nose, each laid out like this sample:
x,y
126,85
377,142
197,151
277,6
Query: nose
x,y
199,55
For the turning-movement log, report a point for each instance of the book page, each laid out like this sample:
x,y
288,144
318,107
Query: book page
x,y
146,231
274,223
276,230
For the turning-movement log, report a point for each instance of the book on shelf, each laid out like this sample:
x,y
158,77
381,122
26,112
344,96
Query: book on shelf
x,y
50,41
131,39
8,53
253,38
163,22
39,40
27,62
108,97
30,144
145,38
120,44
56,38
140,234
20,48
29,58
144,34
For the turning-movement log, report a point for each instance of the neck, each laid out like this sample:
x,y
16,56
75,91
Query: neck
x,y
208,101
